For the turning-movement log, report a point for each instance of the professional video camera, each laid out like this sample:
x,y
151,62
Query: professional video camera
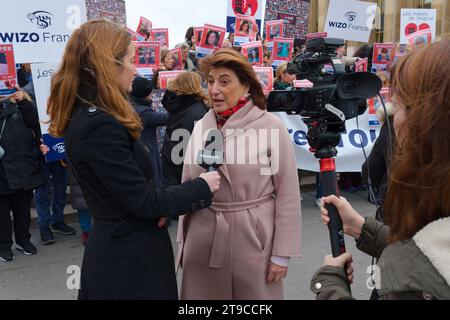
x,y
336,96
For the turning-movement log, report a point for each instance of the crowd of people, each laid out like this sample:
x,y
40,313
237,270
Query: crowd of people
x,y
296,10
238,228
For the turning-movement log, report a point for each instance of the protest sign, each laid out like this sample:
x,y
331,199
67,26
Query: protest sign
x,y
40,30
420,38
144,28
298,84
212,38
253,51
282,49
375,104
317,35
161,35
274,29
178,58
8,74
350,19
42,74
413,20
253,8
198,31
148,54
135,36
265,77
165,77
383,56
362,65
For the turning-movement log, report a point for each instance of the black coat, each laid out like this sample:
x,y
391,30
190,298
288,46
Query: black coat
x,y
151,120
184,111
76,194
20,167
127,255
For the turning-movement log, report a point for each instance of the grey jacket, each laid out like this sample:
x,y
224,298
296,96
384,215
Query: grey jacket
x,y
417,268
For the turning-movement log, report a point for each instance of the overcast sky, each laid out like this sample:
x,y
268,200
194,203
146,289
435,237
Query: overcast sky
x,y
177,15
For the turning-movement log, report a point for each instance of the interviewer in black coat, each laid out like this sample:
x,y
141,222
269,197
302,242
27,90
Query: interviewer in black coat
x,y
128,255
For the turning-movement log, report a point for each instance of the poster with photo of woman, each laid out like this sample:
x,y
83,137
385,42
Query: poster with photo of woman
x,y
282,49
245,26
212,38
253,51
144,28
161,35
274,29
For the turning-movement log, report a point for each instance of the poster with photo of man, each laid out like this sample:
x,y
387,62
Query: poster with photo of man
x,y
165,77
274,29
265,77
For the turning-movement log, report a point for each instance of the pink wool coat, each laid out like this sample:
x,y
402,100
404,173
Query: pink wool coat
x,y
225,250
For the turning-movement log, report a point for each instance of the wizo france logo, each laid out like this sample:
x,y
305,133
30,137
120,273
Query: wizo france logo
x,y
351,16
42,19
59,148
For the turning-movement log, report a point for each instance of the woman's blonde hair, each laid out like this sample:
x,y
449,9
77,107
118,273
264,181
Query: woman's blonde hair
x,y
188,83
282,68
92,58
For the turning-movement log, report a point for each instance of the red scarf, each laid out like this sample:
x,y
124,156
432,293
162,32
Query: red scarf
x,y
222,117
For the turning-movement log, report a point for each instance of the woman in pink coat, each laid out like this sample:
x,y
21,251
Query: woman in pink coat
x,y
240,247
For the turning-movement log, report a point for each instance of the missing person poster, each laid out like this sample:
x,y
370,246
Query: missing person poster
x,y
177,58
161,35
165,77
299,84
383,56
8,74
148,57
274,29
144,28
253,51
420,38
413,20
375,104
362,65
135,35
265,77
212,38
245,26
282,49
317,35
198,31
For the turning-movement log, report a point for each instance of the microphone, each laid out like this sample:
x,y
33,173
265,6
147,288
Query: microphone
x,y
211,157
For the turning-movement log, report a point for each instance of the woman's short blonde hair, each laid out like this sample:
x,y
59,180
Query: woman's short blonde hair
x,y
282,68
188,83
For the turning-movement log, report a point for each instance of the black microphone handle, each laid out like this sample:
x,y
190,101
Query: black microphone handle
x,y
211,168
329,185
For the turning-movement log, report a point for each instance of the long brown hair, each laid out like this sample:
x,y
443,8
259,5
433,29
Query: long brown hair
x,y
233,60
92,56
419,190
188,83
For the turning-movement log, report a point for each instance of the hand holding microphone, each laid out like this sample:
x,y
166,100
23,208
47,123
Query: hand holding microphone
x,y
211,158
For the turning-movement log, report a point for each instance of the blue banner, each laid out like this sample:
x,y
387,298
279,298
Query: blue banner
x,y
57,148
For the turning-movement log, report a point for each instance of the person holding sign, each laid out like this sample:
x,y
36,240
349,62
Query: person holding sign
x,y
128,255
413,248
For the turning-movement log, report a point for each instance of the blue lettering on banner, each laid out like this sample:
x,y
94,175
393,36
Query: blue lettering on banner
x,y
300,138
57,148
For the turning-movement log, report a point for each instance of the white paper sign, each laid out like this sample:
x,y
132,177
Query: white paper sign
x,y
413,20
350,20
39,30
42,74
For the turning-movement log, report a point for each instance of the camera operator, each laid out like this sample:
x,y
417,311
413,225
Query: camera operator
x,y
414,247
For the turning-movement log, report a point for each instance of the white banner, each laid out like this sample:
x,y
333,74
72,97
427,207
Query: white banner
x,y
350,19
350,153
39,30
413,20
